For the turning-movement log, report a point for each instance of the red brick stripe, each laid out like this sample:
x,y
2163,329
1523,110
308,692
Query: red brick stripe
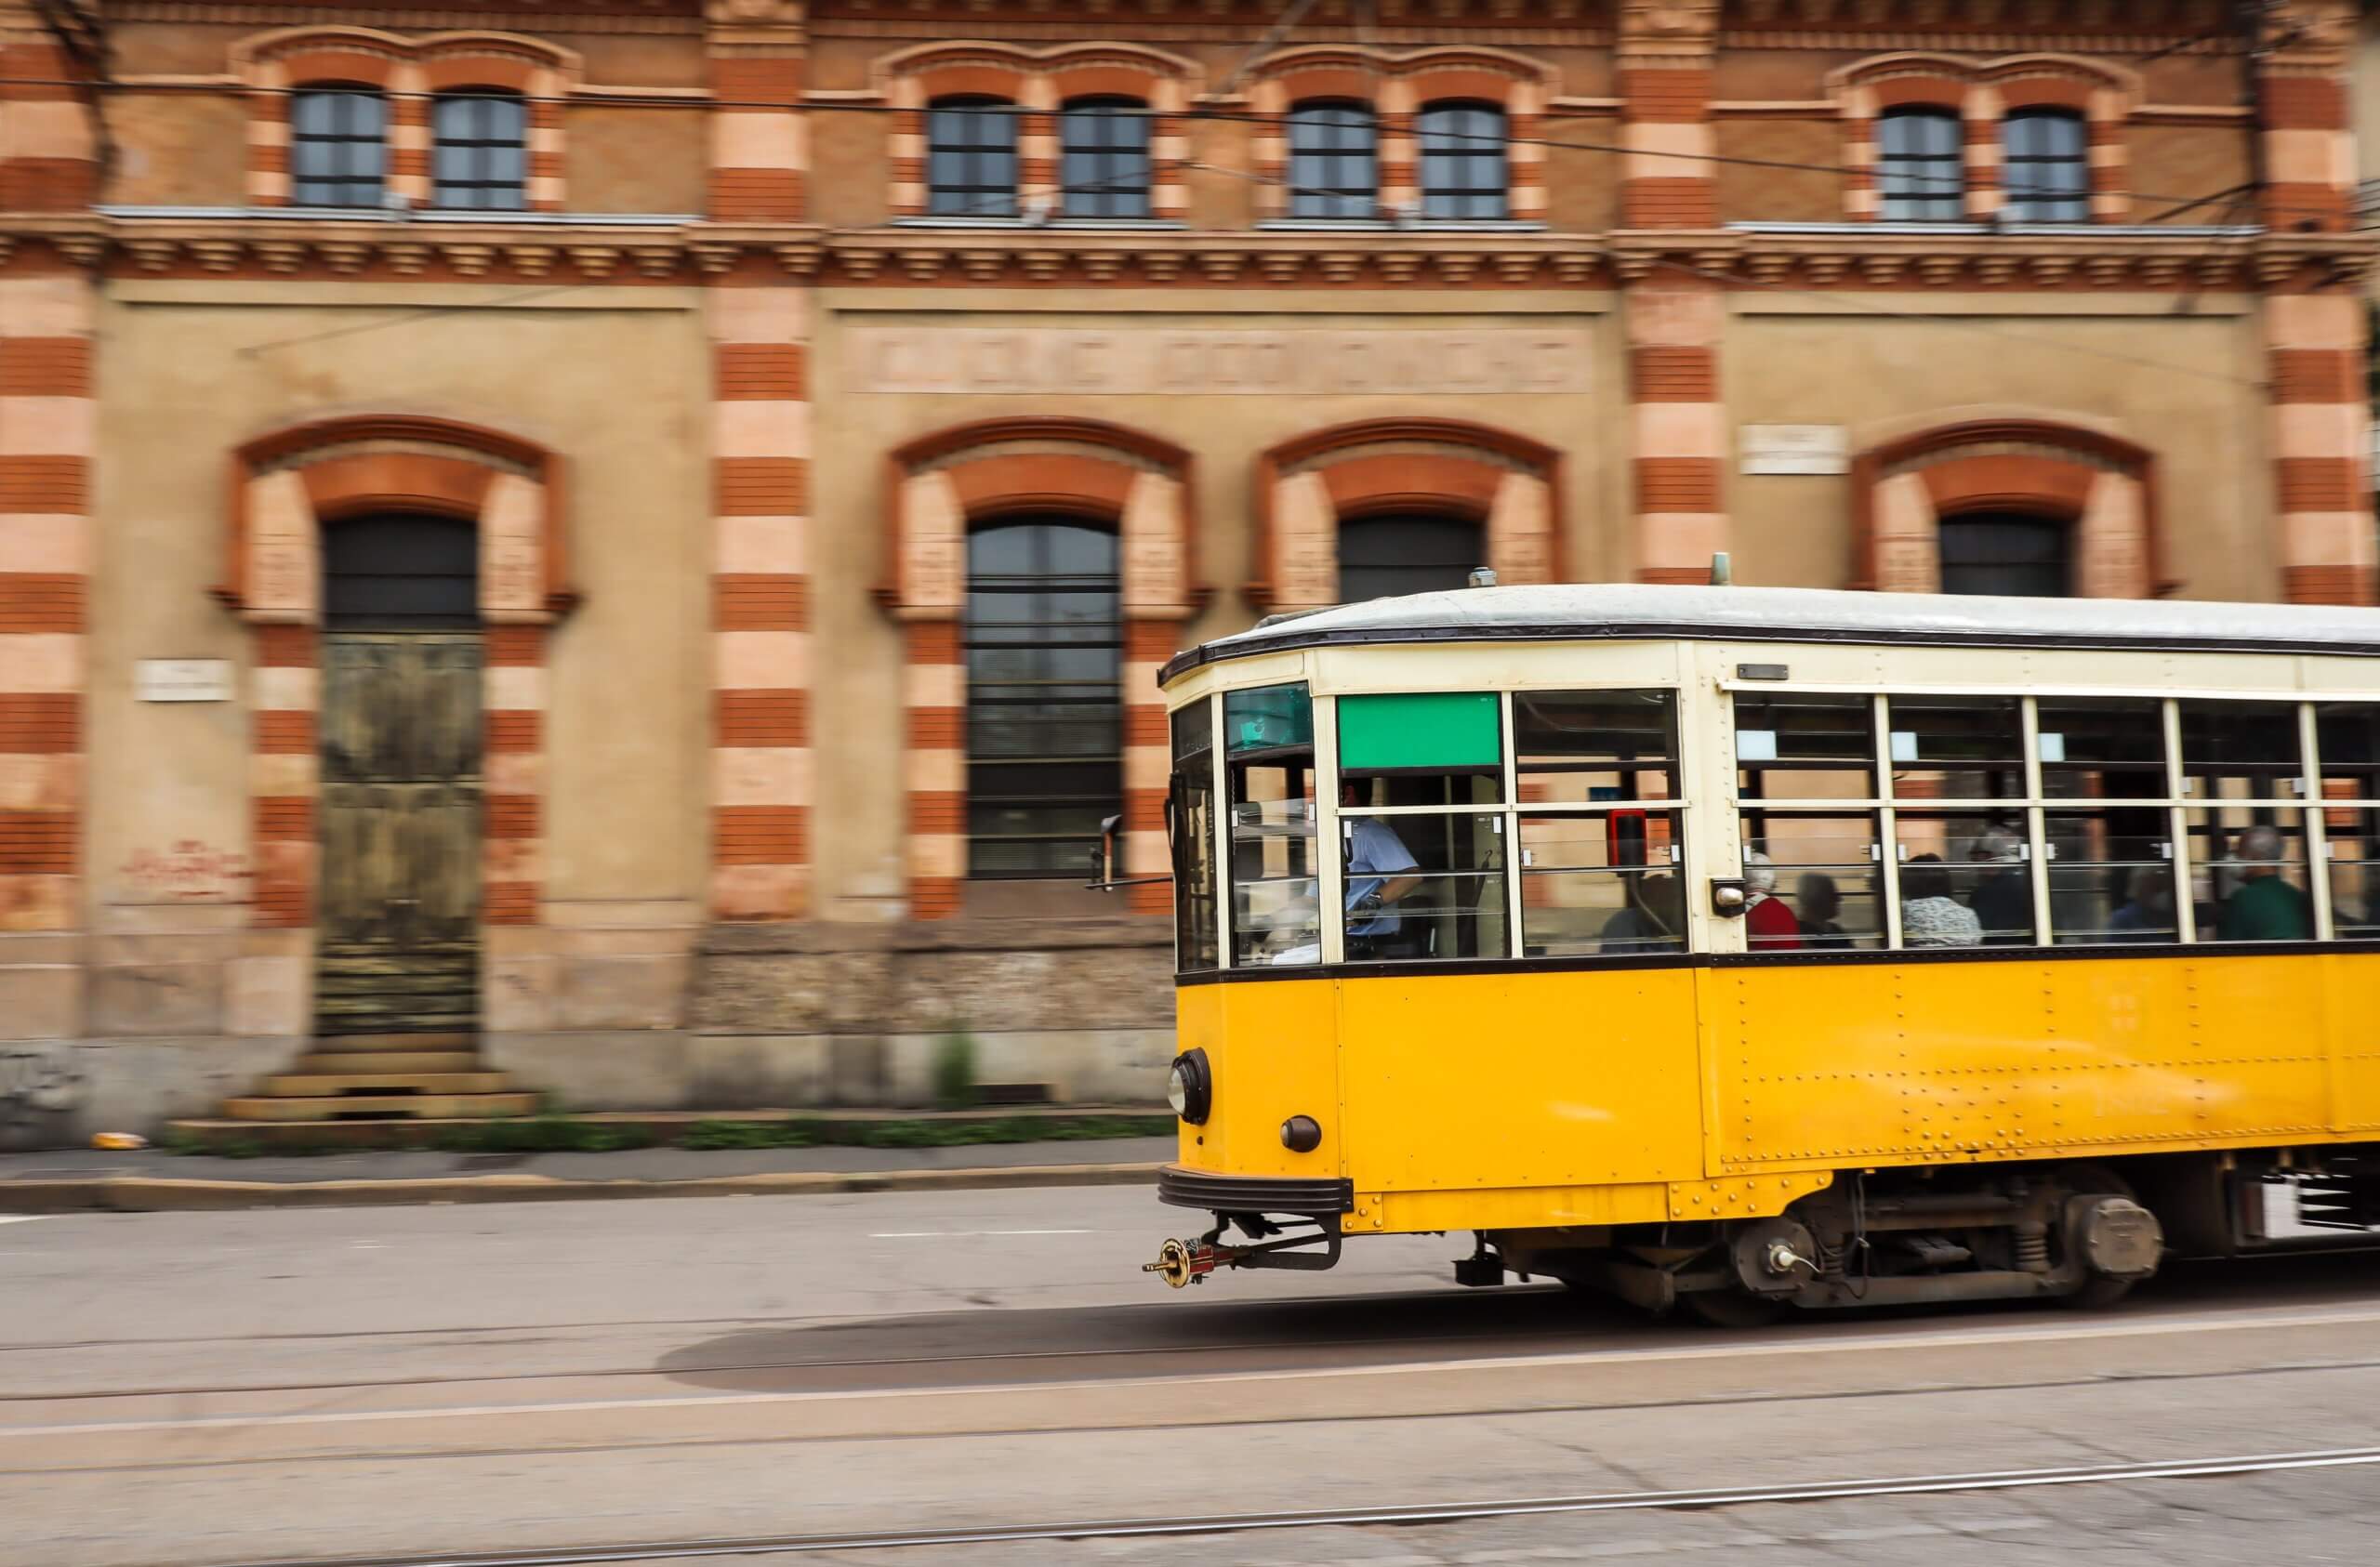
x,y
510,816
2320,484
936,729
2330,585
763,717
762,835
514,646
41,601
2317,375
284,732
290,647
755,195
515,730
1678,484
937,810
45,367
284,818
37,842
43,483
762,486
1677,97
757,602
1671,204
760,371
43,722
1668,375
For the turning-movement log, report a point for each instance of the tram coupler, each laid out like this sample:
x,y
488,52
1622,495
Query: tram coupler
x,y
1183,1263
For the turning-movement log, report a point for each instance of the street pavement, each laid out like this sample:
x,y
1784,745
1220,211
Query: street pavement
x,y
204,1388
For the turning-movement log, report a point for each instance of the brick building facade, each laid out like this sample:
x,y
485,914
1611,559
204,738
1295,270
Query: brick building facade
x,y
845,407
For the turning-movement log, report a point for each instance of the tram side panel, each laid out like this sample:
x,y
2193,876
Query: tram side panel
x,y
1518,1100
1932,1063
1274,1051
2351,989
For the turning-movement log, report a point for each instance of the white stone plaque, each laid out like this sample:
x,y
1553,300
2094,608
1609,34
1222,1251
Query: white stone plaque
x,y
183,680
1796,449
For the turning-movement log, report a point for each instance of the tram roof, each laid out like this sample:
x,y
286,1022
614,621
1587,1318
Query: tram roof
x,y
1636,611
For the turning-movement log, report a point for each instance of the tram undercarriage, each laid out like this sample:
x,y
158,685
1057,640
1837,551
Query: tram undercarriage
x,y
2081,1233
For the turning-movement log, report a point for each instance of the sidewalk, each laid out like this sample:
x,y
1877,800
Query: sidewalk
x,y
154,1181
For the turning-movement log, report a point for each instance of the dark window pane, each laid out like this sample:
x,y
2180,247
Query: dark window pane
x,y
1275,884
2241,751
479,145
1190,820
2349,737
1822,875
1334,165
1576,747
1920,166
1795,745
1044,648
336,147
2046,166
1105,168
1463,161
1957,748
971,158
2111,877
1966,879
2007,553
1603,885
1382,556
2102,748
401,573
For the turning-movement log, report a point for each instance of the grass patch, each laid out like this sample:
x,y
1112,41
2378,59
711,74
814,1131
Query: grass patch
x,y
540,1134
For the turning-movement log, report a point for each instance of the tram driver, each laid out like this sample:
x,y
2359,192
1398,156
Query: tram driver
x,y
1377,859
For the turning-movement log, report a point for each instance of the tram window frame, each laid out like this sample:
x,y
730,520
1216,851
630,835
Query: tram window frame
x,y
1756,760
2357,919
2346,738
1193,833
1971,843
1758,825
1917,777
1409,745
1260,729
1660,845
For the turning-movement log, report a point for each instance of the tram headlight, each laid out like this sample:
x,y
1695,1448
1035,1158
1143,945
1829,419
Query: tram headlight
x,y
1190,1087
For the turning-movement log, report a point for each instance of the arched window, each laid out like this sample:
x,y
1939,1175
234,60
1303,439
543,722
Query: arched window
x,y
970,157
480,149
1463,156
400,571
1106,145
2007,552
2046,166
1334,160
1921,163
339,139
1383,555
1045,745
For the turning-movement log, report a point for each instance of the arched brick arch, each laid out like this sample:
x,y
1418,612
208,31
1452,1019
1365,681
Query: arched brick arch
x,y
1983,92
286,488
1397,86
1508,484
411,70
2102,485
1039,82
939,486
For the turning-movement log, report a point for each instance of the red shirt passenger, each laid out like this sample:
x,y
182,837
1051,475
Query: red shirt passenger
x,y
1773,926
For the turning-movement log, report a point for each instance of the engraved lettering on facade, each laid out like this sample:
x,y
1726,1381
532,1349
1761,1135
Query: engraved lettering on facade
x,y
1211,363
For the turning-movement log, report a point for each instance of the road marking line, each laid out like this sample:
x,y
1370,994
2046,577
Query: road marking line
x,y
997,1390
964,1234
20,1218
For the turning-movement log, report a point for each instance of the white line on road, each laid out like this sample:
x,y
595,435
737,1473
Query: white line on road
x,y
20,1218
965,1234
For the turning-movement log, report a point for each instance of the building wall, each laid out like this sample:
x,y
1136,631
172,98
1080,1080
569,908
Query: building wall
x,y
760,401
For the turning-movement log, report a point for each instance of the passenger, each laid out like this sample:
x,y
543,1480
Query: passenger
x,y
2148,913
2003,901
1375,855
1929,915
1819,900
2264,908
1654,914
1772,925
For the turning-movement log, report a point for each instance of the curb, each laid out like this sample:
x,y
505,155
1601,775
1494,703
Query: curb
x,y
153,1194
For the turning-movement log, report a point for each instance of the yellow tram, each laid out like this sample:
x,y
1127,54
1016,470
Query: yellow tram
x,y
1750,948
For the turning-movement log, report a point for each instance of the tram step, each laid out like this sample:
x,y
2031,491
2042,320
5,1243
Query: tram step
x,y
2341,1201
381,1107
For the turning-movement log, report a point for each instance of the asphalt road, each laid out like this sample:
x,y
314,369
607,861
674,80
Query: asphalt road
x,y
204,1388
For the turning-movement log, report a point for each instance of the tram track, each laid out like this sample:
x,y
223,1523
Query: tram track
x,y
1698,1500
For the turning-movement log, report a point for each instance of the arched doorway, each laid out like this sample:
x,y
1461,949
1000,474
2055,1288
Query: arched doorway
x,y
1385,555
2017,553
1044,643
401,757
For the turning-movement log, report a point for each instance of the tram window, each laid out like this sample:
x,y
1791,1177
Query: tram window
x,y
1442,748
1609,885
1806,745
2248,872
1190,805
1575,746
2111,876
2241,751
2347,736
1825,871
1966,879
2352,839
1423,886
2102,748
1276,881
1957,748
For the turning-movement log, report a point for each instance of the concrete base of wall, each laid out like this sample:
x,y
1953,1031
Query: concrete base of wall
x,y
61,1093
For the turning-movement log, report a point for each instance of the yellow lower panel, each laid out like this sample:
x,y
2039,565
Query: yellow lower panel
x,y
1274,1050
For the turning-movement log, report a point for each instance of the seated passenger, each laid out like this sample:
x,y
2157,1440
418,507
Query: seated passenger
x,y
1929,915
1375,855
1652,921
2003,901
1772,925
2148,913
1819,900
2264,908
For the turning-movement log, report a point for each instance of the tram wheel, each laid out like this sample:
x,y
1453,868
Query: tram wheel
x,y
1732,1307
2095,1181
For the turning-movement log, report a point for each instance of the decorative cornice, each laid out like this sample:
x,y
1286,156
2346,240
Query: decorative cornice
x,y
1882,257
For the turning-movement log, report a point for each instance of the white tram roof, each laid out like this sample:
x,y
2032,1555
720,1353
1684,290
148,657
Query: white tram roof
x,y
1597,612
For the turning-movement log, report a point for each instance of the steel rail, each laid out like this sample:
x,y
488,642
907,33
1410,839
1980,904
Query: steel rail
x,y
1233,1523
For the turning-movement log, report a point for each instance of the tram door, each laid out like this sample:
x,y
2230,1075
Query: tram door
x,y
400,778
